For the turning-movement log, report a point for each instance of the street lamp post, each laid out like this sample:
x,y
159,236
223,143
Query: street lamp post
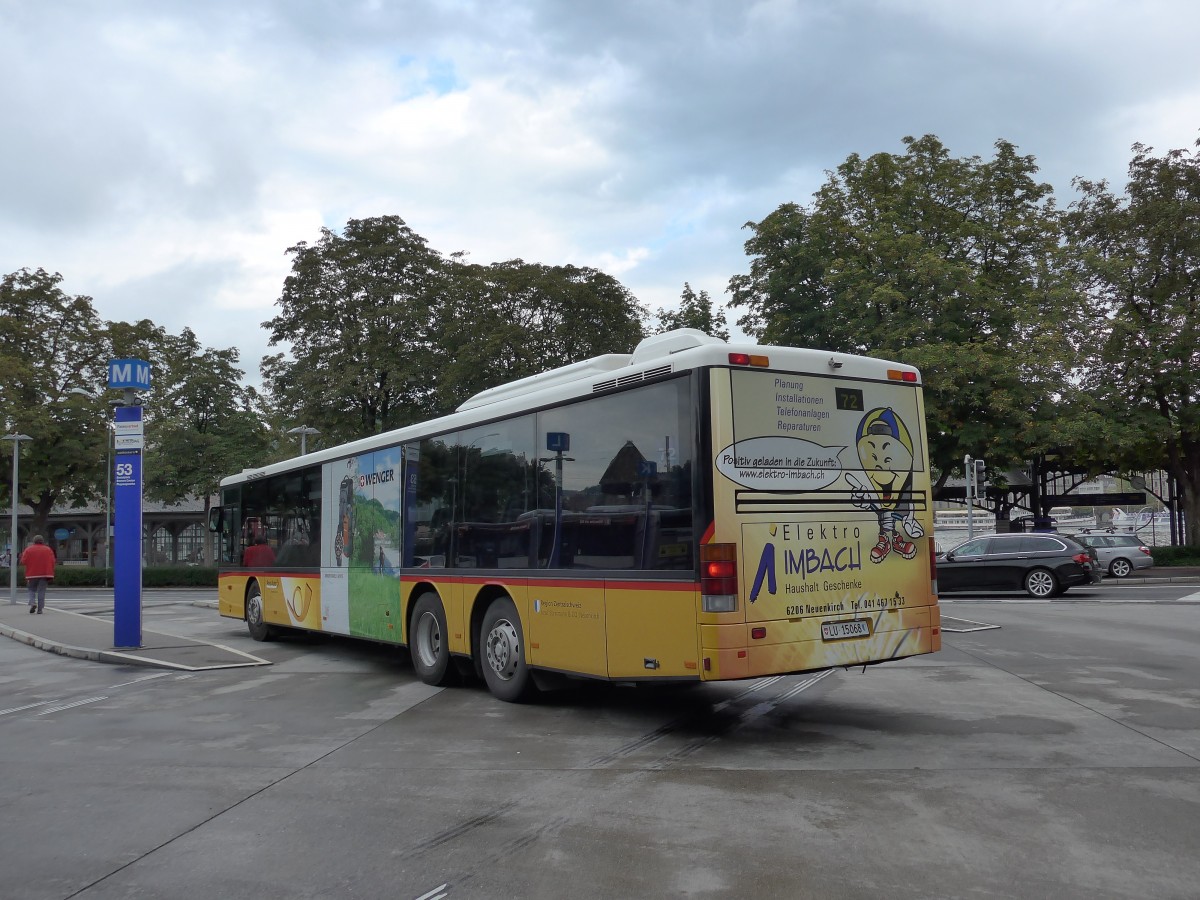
x,y
304,431
12,556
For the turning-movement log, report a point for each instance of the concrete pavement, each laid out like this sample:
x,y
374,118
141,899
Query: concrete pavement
x,y
81,636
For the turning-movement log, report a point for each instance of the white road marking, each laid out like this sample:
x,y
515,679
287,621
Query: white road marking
x,y
803,686
54,709
436,893
140,680
5,712
724,703
982,626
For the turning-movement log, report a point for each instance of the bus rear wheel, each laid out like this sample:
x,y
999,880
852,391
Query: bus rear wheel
x,y
255,624
427,643
502,646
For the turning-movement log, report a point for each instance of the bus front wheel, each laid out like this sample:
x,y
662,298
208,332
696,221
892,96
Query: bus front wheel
x,y
502,644
427,644
255,624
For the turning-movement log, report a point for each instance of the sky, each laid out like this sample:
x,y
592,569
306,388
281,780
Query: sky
x,y
163,156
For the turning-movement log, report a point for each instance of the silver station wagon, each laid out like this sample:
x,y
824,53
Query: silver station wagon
x,y
1119,554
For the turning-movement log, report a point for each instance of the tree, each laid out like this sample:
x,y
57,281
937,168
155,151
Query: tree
x,y
512,319
1140,257
358,311
49,343
950,265
695,311
201,422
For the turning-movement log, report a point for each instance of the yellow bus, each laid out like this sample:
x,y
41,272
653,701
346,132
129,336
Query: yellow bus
x,y
693,511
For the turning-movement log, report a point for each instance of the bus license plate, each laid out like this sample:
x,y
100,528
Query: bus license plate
x,y
840,631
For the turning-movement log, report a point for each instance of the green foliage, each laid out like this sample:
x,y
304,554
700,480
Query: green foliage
x,y
1176,556
67,576
179,576
385,332
49,343
152,576
1139,259
513,319
201,420
950,265
359,314
695,311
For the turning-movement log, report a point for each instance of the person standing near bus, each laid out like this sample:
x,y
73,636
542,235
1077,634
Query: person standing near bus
x,y
38,560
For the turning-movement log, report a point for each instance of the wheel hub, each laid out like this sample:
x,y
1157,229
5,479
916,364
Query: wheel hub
x,y
1041,584
429,639
503,649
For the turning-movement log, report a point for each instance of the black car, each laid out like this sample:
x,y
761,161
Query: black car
x,y
1041,564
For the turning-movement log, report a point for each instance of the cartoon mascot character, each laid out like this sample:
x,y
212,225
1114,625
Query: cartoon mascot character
x,y
885,450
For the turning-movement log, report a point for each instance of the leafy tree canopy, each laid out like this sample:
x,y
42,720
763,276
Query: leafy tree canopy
x,y
202,424
951,265
1139,258
358,312
695,311
385,331
54,353
513,319
49,342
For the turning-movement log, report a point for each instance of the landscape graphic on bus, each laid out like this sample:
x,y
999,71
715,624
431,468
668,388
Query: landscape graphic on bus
x,y
360,553
842,489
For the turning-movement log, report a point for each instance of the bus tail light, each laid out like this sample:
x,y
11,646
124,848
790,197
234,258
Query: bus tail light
x,y
749,359
718,578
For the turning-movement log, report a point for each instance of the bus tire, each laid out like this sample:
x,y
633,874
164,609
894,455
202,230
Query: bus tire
x,y
428,644
502,648
255,623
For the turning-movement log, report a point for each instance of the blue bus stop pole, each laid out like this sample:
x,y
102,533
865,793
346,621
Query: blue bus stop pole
x,y
127,557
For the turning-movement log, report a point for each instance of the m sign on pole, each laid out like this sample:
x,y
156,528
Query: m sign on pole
x,y
131,376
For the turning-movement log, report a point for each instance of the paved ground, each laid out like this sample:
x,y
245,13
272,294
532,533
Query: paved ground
x,y
1056,755
84,635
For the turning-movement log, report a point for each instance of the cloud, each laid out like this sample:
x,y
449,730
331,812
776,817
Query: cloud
x,y
163,156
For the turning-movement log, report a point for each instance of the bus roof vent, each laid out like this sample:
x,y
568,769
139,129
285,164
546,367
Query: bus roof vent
x,y
660,345
633,378
579,371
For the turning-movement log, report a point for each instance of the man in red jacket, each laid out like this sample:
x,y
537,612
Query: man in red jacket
x,y
38,560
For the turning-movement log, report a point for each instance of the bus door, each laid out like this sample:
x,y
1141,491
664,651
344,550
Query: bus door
x,y
567,615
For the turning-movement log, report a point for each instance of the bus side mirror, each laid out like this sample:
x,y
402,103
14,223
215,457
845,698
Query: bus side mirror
x,y
214,519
